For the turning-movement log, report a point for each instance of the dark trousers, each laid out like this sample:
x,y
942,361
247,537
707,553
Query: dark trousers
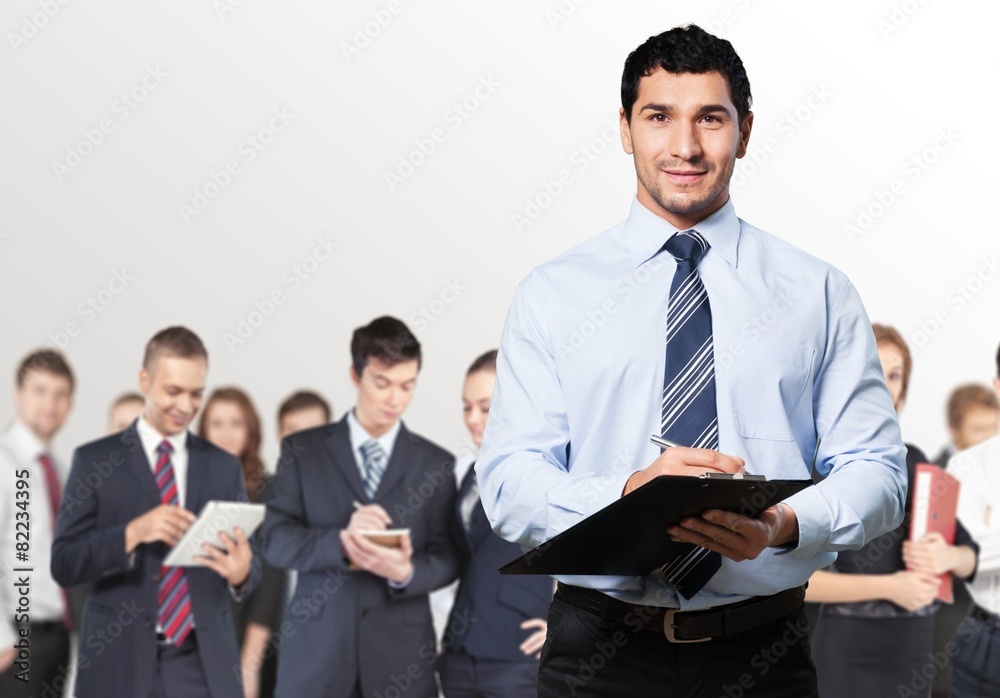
x,y
178,672
48,662
585,657
975,669
465,676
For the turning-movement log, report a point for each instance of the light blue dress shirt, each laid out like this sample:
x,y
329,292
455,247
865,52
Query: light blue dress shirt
x,y
580,378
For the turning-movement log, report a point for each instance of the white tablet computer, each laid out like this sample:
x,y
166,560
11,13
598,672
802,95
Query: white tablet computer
x,y
215,517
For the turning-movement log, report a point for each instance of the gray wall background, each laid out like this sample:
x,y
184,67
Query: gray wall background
x,y
877,115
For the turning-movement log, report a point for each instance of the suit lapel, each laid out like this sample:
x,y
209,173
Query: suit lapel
x,y
197,472
138,464
338,443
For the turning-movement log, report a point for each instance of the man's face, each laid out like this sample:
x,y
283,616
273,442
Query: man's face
x,y
43,400
978,424
174,388
684,136
383,393
123,414
299,420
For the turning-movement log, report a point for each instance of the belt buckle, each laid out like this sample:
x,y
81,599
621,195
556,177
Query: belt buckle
x,y
668,628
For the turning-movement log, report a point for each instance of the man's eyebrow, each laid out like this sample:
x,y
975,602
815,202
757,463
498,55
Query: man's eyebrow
x,y
702,109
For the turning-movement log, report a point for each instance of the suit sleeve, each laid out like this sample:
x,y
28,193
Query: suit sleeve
x,y
82,552
437,564
287,539
239,494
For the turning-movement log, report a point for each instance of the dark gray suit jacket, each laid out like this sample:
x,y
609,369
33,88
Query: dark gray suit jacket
x,y
347,627
111,483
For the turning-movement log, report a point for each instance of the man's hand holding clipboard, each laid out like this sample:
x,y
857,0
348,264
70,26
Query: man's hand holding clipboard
x,y
728,533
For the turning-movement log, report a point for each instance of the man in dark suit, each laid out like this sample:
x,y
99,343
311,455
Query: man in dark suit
x,y
359,622
150,630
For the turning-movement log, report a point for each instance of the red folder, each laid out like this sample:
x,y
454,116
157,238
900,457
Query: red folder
x,y
935,500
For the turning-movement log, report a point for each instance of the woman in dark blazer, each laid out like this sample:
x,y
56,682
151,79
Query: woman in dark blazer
x,y
497,624
876,624
230,421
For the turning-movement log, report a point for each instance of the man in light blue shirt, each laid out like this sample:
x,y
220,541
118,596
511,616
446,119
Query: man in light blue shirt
x,y
796,375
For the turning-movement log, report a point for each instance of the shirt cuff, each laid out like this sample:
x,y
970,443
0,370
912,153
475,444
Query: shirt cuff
x,y
238,593
403,584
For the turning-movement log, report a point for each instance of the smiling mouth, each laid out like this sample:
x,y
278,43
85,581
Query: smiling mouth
x,y
684,176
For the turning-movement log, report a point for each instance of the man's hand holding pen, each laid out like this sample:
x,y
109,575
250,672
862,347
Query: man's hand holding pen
x,y
730,534
394,564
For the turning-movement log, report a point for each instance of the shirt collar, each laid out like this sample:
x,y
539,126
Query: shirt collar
x,y
150,435
26,443
359,434
645,232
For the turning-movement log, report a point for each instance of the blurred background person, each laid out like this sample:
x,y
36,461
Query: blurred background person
x,y
43,398
976,664
302,410
876,623
973,414
497,625
124,410
230,421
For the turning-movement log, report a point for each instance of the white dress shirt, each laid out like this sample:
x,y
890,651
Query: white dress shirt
x,y
359,435
580,384
19,450
978,469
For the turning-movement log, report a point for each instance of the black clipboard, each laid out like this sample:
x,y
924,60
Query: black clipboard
x,y
629,536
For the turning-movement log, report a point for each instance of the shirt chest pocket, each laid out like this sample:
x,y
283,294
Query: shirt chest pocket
x,y
770,390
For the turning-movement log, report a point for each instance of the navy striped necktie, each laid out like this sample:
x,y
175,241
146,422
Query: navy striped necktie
x,y
374,466
689,415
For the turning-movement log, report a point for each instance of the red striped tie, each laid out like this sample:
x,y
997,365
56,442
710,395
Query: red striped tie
x,y
174,598
55,494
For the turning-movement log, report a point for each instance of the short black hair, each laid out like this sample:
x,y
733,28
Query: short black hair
x,y
386,339
45,361
688,49
301,400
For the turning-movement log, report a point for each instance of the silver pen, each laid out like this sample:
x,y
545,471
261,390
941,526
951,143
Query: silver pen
x,y
663,443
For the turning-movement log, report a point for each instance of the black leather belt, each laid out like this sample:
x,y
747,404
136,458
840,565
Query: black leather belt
x,y
161,639
687,626
984,616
